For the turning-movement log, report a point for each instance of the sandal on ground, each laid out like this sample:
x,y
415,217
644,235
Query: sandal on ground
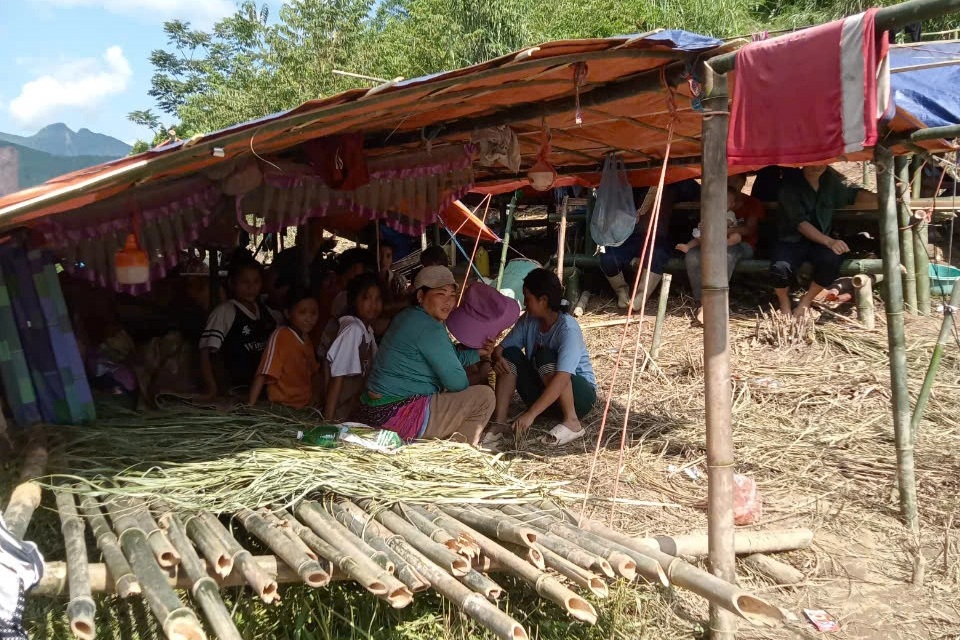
x,y
490,439
560,435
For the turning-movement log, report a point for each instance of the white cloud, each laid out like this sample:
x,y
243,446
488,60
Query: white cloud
x,y
202,13
78,84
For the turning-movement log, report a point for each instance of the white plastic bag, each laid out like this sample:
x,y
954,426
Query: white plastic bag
x,y
615,213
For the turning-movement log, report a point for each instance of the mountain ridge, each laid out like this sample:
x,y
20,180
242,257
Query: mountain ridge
x,y
35,167
58,139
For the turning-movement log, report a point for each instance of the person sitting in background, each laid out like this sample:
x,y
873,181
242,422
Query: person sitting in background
x,y
747,213
420,386
395,286
807,201
434,256
545,359
237,330
350,358
289,362
333,299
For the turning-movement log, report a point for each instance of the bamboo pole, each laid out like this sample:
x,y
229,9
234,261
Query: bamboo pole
x,y
210,545
921,237
563,547
81,611
264,585
307,568
581,305
126,582
377,536
576,574
546,586
946,329
511,212
470,602
779,572
27,494
284,527
360,568
177,620
456,565
902,165
204,589
863,291
487,522
562,238
327,527
436,533
716,355
661,314
167,556
893,304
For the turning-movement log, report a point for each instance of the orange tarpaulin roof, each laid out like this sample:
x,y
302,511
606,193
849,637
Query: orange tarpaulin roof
x,y
459,219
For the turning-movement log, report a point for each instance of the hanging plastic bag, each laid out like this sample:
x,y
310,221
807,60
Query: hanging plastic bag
x,y
615,213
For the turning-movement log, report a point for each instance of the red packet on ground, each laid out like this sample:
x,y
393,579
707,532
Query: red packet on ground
x,y
821,620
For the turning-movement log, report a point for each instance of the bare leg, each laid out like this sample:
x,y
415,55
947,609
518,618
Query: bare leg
x,y
506,385
733,239
783,298
804,305
567,406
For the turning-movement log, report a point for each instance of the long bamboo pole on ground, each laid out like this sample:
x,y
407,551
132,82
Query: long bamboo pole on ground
x,y
921,237
488,523
511,212
27,494
563,547
81,610
576,574
166,555
716,354
360,524
330,529
661,315
310,570
263,584
546,586
176,619
946,330
204,589
863,292
213,548
893,304
902,165
126,582
779,572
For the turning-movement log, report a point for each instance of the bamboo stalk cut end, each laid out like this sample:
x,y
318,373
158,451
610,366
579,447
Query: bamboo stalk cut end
x,y
518,633
184,629
757,611
400,597
81,612
128,586
459,567
581,610
598,587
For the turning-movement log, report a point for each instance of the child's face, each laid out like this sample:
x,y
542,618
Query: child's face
x,y
303,316
369,304
247,285
386,258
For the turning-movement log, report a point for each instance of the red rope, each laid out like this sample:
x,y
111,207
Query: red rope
x,y
476,244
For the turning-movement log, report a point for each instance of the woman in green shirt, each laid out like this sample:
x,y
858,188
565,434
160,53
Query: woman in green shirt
x,y
420,386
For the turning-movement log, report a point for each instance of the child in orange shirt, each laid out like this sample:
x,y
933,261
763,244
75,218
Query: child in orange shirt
x,y
350,357
289,362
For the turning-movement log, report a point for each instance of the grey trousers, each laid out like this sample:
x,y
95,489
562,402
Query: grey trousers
x,y
692,261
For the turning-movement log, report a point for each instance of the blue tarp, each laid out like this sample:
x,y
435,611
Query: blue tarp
x,y
932,96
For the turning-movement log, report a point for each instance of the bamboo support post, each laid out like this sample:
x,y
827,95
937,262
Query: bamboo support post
x,y
562,238
716,354
204,589
511,212
563,547
905,218
264,585
27,494
307,568
863,291
780,572
177,620
211,546
474,605
893,304
578,575
946,329
126,582
454,564
581,306
360,524
488,523
81,611
360,568
327,527
921,236
545,586
661,315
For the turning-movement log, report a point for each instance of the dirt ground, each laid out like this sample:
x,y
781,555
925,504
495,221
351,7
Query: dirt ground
x,y
813,427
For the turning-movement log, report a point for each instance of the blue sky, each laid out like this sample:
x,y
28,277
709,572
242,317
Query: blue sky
x,y
85,62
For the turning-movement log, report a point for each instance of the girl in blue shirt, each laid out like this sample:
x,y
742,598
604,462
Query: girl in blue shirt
x,y
545,359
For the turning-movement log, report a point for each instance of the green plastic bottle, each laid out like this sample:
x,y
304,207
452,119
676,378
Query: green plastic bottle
x,y
324,435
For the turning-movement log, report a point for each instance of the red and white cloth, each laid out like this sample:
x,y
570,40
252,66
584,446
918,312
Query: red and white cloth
x,y
809,96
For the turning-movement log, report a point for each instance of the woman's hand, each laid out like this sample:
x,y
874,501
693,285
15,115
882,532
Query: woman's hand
x,y
523,423
487,350
501,366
